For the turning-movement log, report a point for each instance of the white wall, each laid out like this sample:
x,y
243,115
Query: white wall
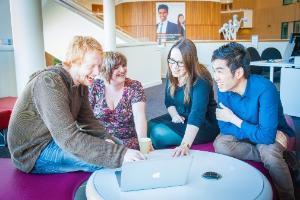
x,y
8,86
144,63
205,50
7,69
5,27
61,24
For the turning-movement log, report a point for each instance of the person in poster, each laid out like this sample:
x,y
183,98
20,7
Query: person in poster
x,y
165,26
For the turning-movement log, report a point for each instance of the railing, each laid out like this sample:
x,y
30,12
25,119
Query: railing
x,y
95,18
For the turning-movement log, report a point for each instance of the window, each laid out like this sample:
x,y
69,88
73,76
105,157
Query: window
x,y
287,2
296,27
284,30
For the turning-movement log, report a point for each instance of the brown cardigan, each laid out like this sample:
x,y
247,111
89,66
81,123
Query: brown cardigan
x,y
52,107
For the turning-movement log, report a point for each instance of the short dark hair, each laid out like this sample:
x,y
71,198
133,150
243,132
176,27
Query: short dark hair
x,y
235,55
163,6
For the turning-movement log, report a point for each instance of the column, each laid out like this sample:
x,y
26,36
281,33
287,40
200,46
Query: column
x,y
109,25
27,31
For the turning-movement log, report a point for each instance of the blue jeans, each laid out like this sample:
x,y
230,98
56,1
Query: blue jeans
x,y
55,160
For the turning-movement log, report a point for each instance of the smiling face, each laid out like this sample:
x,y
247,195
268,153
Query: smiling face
x,y
89,68
163,14
226,81
176,63
119,74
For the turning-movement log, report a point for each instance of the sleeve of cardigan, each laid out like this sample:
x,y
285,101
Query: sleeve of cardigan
x,y
86,116
50,95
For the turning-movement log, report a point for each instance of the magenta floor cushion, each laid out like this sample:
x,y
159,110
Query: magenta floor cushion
x,y
16,185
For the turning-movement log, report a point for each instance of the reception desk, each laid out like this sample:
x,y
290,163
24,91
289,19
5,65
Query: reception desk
x,y
274,63
289,91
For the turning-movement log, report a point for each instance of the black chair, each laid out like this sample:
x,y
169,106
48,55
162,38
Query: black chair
x,y
272,53
254,56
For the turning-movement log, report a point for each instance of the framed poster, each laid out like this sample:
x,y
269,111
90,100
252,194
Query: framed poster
x,y
170,21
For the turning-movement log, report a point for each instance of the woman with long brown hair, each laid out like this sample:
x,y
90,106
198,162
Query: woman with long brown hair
x,y
181,24
189,99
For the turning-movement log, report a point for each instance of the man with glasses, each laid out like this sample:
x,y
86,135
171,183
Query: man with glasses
x,y
250,116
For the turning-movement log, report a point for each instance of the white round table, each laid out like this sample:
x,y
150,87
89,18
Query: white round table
x,y
239,181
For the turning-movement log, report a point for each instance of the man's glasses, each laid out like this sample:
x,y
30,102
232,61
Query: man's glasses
x,y
172,62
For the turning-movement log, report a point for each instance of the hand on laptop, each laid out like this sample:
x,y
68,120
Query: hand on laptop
x,y
181,150
133,155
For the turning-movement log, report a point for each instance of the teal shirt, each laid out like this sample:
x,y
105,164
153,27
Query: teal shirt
x,y
202,106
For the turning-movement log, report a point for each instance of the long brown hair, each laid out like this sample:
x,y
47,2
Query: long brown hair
x,y
192,66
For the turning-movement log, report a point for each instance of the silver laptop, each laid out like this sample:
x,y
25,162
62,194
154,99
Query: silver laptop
x,y
154,173
288,51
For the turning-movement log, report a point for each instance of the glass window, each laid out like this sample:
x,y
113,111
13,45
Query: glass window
x,y
296,27
284,30
287,2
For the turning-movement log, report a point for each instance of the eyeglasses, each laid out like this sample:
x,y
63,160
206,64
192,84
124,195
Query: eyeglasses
x,y
180,64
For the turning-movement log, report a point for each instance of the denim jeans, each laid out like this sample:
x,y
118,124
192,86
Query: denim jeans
x,y
55,160
271,155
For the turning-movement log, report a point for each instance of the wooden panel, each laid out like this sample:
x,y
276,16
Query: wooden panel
x,y
49,59
139,19
243,4
97,8
203,20
267,17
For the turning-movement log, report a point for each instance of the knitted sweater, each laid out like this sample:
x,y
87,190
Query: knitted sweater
x,y
52,107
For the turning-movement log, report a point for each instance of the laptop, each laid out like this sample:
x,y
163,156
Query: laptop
x,y
288,51
154,173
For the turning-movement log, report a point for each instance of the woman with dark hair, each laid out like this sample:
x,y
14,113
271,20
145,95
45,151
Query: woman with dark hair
x,y
189,99
181,25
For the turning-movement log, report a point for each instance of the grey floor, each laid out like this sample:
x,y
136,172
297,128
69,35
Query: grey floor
x,y
155,101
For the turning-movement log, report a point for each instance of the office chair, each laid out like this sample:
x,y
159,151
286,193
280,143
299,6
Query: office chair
x,y
254,56
272,53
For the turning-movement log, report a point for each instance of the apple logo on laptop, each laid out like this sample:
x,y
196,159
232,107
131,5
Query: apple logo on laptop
x,y
156,175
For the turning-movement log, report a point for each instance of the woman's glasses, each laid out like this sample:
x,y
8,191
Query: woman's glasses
x,y
180,64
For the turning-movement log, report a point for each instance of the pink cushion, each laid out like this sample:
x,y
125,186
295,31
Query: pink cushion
x,y
6,106
16,185
4,118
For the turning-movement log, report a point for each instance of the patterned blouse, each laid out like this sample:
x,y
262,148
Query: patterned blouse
x,y
118,122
